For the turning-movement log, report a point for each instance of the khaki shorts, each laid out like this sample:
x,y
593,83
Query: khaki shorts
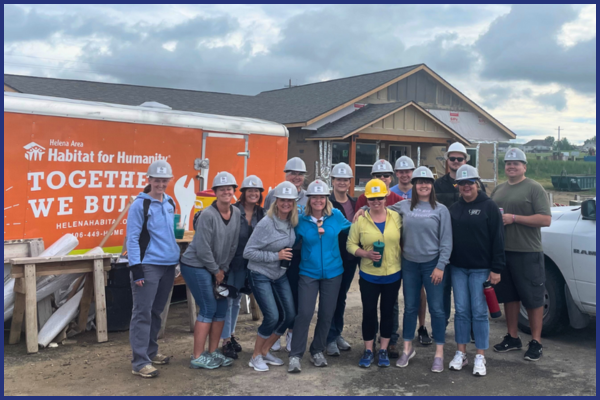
x,y
523,279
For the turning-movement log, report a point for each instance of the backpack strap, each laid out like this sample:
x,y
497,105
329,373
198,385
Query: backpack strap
x,y
145,235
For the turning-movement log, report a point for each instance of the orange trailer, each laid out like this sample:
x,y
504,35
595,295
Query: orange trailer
x,y
71,166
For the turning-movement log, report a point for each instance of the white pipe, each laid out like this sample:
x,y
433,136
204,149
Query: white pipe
x,y
59,320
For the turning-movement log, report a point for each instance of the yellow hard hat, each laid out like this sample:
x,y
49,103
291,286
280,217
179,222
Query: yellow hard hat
x,y
375,188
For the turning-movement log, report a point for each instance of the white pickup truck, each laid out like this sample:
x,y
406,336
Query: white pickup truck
x,y
570,258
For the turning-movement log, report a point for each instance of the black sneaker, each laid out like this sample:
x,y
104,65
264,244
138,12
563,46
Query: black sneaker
x,y
236,346
229,351
508,343
424,338
534,352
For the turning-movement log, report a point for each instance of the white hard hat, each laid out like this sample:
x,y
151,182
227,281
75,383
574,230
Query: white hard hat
x,y
403,163
160,169
224,179
515,155
467,172
285,190
422,173
295,164
252,182
457,148
382,166
341,170
317,188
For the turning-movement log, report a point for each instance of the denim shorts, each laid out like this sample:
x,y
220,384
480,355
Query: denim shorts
x,y
200,283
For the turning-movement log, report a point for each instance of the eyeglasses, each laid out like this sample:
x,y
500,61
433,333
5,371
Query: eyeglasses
x,y
376,199
464,183
379,176
459,159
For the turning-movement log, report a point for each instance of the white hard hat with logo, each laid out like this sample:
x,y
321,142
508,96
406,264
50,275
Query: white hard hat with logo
x,y
317,188
286,190
457,148
467,172
341,170
422,173
515,155
160,169
252,182
295,165
404,163
381,167
224,179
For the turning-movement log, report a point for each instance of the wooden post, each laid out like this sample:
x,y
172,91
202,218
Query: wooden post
x,y
352,160
101,324
164,315
256,314
31,326
18,313
192,314
86,301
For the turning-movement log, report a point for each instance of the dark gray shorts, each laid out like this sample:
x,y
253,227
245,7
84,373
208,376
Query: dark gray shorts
x,y
523,279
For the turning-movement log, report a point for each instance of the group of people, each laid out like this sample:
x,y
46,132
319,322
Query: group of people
x,y
434,236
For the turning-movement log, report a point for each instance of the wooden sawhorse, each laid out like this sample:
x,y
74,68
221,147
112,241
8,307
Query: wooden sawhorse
x,y
25,271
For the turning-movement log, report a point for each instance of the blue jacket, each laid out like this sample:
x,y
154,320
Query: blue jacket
x,y
162,249
321,257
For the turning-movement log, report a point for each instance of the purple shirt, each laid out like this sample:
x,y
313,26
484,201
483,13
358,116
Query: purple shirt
x,y
348,210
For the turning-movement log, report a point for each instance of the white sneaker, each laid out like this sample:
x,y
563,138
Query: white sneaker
x,y
258,364
277,345
459,361
271,359
479,366
288,342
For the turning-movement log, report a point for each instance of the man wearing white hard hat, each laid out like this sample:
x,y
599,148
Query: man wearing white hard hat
x,y
383,171
403,170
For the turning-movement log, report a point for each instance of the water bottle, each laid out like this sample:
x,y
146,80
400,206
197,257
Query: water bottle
x,y
492,301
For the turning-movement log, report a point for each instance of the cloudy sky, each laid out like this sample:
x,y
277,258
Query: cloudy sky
x,y
532,67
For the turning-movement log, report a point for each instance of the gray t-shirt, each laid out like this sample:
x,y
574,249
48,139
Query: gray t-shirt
x,y
426,232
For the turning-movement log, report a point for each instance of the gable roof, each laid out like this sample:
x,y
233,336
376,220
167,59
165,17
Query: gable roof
x,y
537,142
370,114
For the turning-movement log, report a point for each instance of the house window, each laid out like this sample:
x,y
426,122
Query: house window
x,y
340,152
472,157
366,155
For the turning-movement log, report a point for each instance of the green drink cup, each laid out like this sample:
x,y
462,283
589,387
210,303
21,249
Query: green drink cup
x,y
378,246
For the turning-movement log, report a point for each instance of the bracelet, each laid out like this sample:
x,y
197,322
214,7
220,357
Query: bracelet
x,y
514,219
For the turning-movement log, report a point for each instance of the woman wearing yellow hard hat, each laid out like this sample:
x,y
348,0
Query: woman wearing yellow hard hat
x,y
374,233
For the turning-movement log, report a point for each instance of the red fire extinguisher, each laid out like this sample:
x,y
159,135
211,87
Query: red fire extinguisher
x,y
492,301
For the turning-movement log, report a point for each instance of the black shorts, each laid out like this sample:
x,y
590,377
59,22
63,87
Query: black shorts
x,y
523,279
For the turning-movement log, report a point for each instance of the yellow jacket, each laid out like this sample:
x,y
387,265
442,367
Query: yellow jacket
x,y
364,233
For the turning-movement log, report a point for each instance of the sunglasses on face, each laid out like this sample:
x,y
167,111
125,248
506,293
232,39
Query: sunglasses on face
x,y
423,182
376,199
379,176
459,159
465,183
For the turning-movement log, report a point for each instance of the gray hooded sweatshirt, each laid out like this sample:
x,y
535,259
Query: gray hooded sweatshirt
x,y
214,243
270,236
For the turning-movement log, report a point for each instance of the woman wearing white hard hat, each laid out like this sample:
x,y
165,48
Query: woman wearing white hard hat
x,y
321,271
251,213
153,254
269,251
382,170
477,256
204,265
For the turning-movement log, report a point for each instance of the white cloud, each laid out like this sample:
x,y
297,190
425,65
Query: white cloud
x,y
170,46
580,30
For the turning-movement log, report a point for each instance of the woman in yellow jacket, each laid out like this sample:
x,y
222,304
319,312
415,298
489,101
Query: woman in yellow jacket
x,y
377,225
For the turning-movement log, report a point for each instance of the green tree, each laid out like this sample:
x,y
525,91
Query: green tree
x,y
590,140
563,145
549,140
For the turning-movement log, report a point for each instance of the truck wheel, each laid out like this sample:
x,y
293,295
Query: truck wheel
x,y
555,306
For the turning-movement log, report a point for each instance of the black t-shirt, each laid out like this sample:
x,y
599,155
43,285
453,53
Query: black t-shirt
x,y
225,221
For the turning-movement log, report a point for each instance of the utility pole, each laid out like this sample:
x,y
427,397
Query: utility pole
x,y
558,133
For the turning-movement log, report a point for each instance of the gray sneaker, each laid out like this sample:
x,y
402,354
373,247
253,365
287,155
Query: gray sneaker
x,y
318,360
206,361
332,349
342,344
226,360
258,364
294,365
438,364
272,360
403,360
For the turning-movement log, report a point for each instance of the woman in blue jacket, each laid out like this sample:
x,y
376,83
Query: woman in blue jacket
x,y
153,254
321,272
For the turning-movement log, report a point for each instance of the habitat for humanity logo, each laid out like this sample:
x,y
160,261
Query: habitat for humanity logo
x,y
34,151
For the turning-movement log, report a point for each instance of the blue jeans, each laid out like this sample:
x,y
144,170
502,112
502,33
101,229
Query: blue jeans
x,y
415,276
470,305
274,297
447,293
236,279
200,283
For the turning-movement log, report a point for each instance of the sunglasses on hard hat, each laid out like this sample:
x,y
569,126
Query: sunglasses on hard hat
x,y
379,176
459,159
466,182
376,199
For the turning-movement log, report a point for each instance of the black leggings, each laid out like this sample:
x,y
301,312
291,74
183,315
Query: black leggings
x,y
369,294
